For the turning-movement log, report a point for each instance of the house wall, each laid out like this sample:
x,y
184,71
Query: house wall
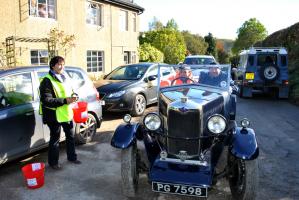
x,y
71,18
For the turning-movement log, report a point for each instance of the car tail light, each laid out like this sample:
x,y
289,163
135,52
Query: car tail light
x,y
285,82
97,93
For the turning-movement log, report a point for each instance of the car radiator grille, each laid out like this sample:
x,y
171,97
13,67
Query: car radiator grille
x,y
183,125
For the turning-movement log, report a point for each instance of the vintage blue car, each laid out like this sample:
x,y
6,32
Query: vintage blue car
x,y
192,140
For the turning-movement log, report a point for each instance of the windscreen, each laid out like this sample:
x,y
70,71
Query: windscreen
x,y
216,76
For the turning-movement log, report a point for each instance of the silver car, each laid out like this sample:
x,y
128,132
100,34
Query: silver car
x,y
21,128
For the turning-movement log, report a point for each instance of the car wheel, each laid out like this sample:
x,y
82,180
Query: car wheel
x,y
270,73
129,171
139,105
243,178
84,132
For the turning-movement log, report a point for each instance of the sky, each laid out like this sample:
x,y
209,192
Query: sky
x,y
222,18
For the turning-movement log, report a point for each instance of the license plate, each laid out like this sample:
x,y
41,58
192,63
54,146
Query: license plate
x,y
179,189
249,76
102,103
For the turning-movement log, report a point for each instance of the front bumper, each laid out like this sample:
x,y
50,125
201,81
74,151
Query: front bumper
x,y
118,104
176,173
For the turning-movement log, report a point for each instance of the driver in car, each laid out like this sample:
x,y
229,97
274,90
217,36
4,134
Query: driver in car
x,y
183,76
214,77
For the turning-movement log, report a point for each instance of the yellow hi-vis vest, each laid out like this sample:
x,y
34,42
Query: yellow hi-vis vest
x,y
64,113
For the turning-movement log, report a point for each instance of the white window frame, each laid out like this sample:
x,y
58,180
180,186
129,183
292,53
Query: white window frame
x,y
91,7
35,10
39,56
134,22
123,20
133,57
95,60
127,59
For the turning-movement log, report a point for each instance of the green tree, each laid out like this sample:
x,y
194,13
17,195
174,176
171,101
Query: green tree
x,y
155,24
169,41
148,53
172,24
211,50
195,44
249,33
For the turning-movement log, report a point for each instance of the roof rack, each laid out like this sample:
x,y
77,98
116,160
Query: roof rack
x,y
267,48
254,50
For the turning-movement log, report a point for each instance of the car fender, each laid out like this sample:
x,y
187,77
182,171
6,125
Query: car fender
x,y
124,135
244,144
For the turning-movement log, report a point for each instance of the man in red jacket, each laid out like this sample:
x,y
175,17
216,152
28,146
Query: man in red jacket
x,y
183,76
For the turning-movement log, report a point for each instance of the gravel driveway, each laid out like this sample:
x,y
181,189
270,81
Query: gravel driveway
x,y
98,177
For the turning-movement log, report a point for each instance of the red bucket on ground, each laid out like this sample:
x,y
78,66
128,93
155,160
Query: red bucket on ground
x,y
34,175
80,112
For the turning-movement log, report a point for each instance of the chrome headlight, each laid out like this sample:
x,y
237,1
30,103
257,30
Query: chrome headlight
x,y
116,94
152,121
245,123
127,118
216,124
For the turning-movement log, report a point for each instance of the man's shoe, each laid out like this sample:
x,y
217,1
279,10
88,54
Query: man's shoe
x,y
78,162
56,167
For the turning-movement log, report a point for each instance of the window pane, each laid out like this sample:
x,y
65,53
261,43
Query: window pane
x,y
43,53
18,89
93,15
95,62
77,79
123,20
88,53
51,2
32,9
42,10
41,74
51,12
34,61
44,60
250,60
283,60
34,53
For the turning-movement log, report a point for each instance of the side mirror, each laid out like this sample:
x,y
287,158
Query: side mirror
x,y
152,77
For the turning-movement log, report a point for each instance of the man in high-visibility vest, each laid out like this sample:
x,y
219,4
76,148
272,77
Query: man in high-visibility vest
x,y
55,96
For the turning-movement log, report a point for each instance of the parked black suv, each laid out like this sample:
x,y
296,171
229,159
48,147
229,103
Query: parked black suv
x,y
21,128
264,69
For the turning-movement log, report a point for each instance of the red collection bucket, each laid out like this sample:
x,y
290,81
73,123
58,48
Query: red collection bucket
x,y
34,175
80,112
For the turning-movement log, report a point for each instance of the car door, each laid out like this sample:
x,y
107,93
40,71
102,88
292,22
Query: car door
x,y
151,86
20,124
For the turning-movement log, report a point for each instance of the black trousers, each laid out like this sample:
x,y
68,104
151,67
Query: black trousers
x,y
55,130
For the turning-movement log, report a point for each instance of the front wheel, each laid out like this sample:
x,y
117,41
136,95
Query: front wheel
x,y
139,105
129,171
243,178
